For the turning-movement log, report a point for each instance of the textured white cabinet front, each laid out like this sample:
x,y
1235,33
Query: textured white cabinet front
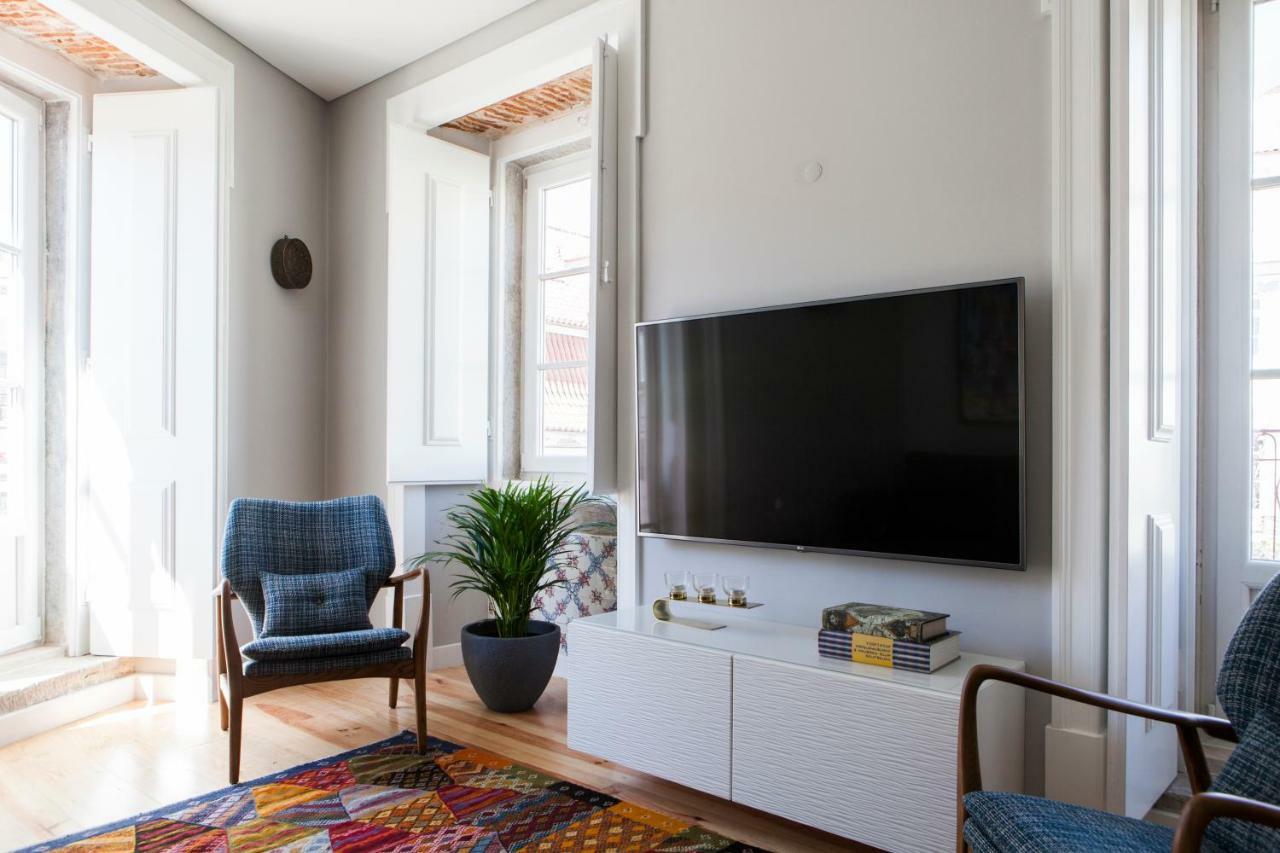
x,y
861,758
653,705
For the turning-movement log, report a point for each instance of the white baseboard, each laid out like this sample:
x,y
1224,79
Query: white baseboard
x,y
61,710
1075,767
445,656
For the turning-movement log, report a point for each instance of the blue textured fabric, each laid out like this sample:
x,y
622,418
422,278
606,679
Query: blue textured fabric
x,y
1252,771
1249,680
1016,822
304,538
323,603
325,645
306,666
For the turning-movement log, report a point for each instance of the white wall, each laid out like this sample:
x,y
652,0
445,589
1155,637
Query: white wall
x,y
277,337
932,123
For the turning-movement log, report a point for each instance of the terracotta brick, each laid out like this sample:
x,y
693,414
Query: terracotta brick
x,y
543,103
38,24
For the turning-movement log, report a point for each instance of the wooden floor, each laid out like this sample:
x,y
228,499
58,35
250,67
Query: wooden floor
x,y
139,757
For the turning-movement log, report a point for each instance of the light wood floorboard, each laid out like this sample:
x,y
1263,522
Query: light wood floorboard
x,y
140,756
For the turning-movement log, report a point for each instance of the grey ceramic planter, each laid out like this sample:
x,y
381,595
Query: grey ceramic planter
x,y
510,674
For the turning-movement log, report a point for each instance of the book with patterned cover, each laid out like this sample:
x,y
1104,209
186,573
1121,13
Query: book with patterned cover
x,y
898,654
895,623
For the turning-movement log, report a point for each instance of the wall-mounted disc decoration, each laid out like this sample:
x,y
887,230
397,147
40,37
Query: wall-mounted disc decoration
x,y
291,263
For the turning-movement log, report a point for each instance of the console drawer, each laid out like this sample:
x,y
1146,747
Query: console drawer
x,y
651,704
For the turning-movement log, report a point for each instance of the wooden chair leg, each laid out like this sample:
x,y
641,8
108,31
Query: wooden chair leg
x,y
395,691
420,711
223,711
237,713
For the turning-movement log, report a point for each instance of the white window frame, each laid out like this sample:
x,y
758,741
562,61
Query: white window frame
x,y
539,179
28,246
1232,577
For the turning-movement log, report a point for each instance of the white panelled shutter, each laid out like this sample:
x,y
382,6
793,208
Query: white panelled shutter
x,y
437,310
148,399
602,365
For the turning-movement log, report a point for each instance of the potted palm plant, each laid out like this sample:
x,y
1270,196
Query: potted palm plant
x,y
507,542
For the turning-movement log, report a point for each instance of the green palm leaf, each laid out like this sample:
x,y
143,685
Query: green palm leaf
x,y
508,542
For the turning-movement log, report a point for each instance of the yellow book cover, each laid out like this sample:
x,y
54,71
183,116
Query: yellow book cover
x,y
868,648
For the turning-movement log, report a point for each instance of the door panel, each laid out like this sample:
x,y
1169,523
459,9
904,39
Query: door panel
x,y
1150,295
148,404
438,309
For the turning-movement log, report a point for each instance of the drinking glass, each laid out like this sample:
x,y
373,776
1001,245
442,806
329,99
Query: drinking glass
x,y
735,589
705,584
677,585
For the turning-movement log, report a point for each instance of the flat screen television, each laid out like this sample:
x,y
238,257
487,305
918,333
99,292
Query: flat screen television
x,y
889,425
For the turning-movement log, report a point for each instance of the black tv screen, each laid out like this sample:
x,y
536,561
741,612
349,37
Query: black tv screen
x,y
887,425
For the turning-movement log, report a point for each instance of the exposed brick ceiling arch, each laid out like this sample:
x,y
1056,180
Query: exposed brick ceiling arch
x,y
39,24
551,100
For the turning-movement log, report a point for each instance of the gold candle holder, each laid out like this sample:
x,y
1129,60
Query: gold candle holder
x,y
677,585
735,589
705,584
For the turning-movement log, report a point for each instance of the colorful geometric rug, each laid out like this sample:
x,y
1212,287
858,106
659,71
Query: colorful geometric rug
x,y
387,797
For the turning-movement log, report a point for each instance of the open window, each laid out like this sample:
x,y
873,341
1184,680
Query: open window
x,y
502,310
21,368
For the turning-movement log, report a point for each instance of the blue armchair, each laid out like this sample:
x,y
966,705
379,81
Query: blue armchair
x,y
307,574
1238,811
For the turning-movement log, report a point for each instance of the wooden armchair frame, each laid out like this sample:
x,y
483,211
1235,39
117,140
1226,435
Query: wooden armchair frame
x,y
234,686
1200,810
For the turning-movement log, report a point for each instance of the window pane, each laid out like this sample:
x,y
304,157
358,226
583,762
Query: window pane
x,y
1266,89
566,308
564,411
566,226
1265,480
8,179
1266,279
10,314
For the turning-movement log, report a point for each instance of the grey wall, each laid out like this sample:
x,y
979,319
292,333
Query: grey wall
x,y
357,376
932,123
277,337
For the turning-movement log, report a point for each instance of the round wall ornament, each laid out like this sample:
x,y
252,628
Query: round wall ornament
x,y
291,263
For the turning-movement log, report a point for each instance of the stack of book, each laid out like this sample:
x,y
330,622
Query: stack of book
x,y
888,636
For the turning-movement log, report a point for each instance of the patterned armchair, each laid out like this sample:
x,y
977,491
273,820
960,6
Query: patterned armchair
x,y
307,574
1238,811
590,567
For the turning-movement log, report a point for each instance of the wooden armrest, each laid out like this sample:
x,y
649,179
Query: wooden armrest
x,y
969,778
400,577
1203,808
217,590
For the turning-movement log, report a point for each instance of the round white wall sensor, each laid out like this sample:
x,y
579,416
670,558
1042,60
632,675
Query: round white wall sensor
x,y
811,171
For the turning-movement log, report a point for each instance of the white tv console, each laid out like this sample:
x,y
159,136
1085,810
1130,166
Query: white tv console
x,y
752,713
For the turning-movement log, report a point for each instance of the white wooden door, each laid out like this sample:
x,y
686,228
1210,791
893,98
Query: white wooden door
x,y
437,310
147,412
1149,296
602,364
1242,315
21,370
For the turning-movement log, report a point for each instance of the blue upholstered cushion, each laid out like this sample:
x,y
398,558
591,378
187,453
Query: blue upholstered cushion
x,y
306,666
325,645
1249,680
1015,822
1252,771
304,538
322,603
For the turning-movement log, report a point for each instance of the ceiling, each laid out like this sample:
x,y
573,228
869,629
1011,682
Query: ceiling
x,y
547,102
334,46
